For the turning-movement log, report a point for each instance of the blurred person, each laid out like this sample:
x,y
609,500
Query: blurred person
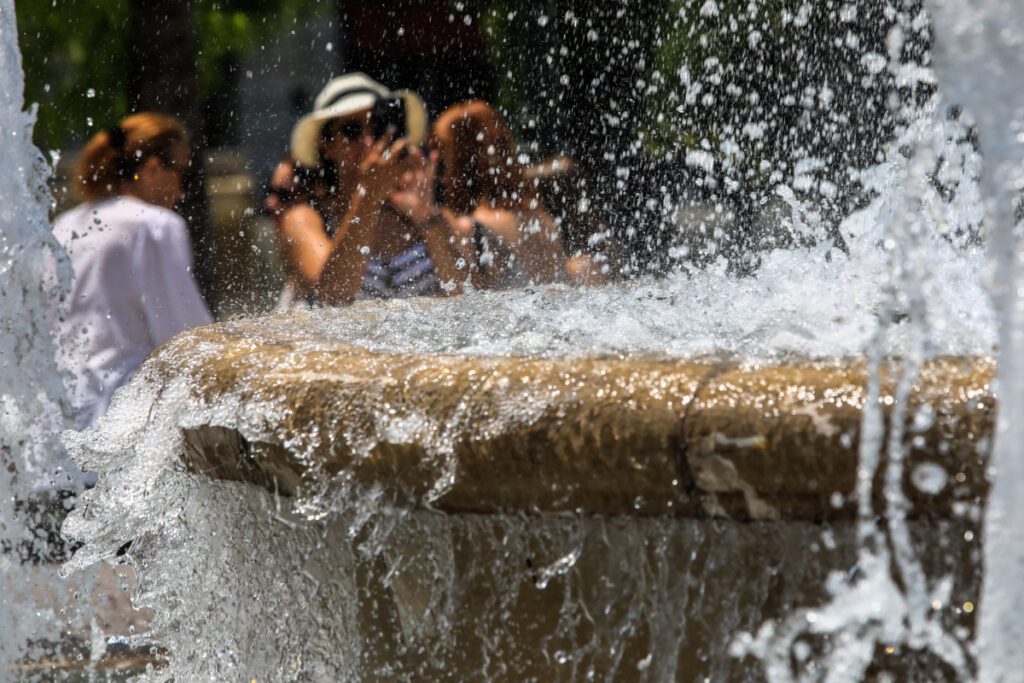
x,y
369,226
483,183
132,286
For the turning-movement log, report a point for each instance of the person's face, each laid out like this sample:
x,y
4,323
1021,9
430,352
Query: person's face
x,y
165,177
346,140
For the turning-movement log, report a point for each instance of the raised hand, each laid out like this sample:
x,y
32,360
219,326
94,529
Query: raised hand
x,y
415,200
382,169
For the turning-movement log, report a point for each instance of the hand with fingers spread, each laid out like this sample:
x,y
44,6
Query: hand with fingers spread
x,y
415,200
382,169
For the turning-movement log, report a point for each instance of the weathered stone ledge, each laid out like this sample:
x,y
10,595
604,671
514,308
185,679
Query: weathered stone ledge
x,y
593,436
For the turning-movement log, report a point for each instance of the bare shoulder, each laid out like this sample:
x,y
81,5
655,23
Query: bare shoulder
x,y
302,215
501,221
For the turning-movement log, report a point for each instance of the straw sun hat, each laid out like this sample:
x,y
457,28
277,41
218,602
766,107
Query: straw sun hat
x,y
346,95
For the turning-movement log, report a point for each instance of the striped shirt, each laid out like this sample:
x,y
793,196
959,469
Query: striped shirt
x,y
411,273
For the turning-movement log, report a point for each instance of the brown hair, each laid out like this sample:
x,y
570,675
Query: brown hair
x,y
113,155
478,158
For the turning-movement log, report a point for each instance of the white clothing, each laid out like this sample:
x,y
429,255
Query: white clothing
x,y
132,291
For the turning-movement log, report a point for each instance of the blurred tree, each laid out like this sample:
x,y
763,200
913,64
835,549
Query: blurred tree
x,y
75,54
426,45
82,57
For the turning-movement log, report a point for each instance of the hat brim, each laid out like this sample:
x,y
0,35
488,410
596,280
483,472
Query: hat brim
x,y
416,119
305,139
306,134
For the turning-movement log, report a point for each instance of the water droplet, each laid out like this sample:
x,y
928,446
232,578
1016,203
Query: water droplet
x,y
929,478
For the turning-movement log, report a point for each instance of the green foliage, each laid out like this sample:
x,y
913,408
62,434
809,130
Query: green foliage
x,y
76,55
75,58
495,18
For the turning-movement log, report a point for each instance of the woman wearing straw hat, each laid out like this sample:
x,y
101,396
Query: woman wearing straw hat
x,y
373,229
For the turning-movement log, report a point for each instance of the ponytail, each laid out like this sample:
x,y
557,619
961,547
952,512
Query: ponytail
x,y
114,155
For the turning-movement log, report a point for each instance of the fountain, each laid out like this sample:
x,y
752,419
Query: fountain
x,y
32,393
778,476
985,47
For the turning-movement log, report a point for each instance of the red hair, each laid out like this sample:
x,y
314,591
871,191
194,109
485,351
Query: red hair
x,y
478,159
113,155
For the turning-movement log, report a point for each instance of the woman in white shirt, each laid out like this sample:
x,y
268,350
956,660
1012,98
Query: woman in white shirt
x,y
130,252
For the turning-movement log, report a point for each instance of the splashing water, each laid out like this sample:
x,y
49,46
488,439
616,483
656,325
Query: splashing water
x,y
985,42
904,290
245,583
979,44
32,397
889,601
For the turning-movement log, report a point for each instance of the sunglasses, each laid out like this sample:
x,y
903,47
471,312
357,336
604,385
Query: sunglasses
x,y
350,130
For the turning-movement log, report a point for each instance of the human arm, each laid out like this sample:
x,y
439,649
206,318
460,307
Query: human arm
x,y
448,240
532,238
380,174
305,244
451,251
